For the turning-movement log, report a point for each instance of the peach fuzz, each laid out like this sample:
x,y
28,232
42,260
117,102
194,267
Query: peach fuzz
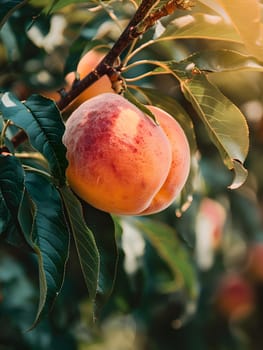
x,y
118,157
87,63
180,167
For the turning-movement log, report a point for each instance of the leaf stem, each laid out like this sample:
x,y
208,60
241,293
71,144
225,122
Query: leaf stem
x,y
127,57
3,132
147,74
152,62
32,155
38,171
140,48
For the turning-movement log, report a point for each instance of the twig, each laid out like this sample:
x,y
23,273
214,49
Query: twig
x,y
142,20
165,10
107,63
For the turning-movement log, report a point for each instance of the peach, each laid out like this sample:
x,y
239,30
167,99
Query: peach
x,y
179,169
234,297
119,158
86,64
254,266
209,229
212,218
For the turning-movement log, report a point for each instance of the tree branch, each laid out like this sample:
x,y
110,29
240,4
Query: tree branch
x,y
106,65
143,18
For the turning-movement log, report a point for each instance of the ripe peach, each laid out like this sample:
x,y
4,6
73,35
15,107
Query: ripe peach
x,y
118,157
86,64
254,267
234,297
209,227
212,218
179,169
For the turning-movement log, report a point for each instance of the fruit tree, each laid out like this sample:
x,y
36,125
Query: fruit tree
x,y
131,137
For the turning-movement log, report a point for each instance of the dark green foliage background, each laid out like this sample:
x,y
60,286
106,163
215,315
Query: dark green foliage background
x,y
64,282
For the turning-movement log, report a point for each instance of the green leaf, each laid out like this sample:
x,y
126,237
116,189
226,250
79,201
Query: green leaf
x,y
59,4
11,182
246,17
226,125
42,122
11,192
16,217
138,104
171,106
84,240
200,26
165,241
5,216
7,7
103,228
224,61
50,239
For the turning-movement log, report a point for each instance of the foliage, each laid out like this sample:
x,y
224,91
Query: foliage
x,y
81,278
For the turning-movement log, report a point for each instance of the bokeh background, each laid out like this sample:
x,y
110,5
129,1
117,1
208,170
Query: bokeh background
x,y
215,300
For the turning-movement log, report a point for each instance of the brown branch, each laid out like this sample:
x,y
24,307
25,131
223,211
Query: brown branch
x,y
107,63
165,10
142,17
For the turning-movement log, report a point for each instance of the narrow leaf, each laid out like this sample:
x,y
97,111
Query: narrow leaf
x,y
201,26
50,239
164,239
5,216
224,61
103,228
59,4
11,192
16,217
226,125
84,240
11,182
41,120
